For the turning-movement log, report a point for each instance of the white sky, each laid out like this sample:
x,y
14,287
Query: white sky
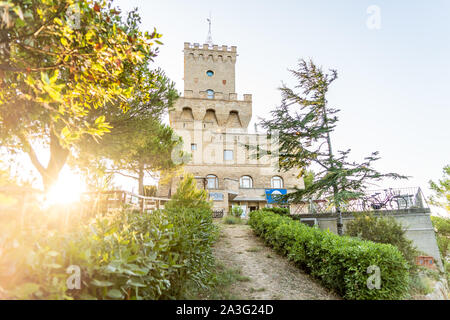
x,y
393,82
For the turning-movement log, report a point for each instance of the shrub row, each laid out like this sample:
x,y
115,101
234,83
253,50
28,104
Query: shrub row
x,y
341,263
280,211
125,255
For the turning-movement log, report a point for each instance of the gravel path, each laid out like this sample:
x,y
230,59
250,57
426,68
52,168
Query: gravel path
x,y
271,275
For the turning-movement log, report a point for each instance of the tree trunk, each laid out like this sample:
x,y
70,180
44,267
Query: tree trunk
x,y
58,157
141,179
339,222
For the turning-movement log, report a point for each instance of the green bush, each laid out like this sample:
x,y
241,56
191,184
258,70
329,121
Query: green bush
x,y
232,220
237,212
188,196
280,211
339,262
442,225
121,255
383,230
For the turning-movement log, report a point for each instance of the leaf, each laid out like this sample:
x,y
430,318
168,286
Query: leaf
x,y
115,294
101,283
100,119
65,132
135,283
44,78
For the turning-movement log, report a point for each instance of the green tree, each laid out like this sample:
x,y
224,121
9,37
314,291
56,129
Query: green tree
x,y
383,230
189,196
138,142
441,190
304,122
308,178
59,61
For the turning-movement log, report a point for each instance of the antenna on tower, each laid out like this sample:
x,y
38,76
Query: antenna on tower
x,y
209,40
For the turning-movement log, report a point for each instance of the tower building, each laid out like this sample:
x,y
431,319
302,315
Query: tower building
x,y
213,123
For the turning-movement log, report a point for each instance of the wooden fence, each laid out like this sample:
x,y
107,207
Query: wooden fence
x,y
111,200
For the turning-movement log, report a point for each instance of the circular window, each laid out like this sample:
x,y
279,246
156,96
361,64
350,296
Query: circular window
x,y
209,73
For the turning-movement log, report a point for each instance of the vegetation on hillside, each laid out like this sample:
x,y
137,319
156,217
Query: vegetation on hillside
x,y
383,230
441,190
118,255
442,226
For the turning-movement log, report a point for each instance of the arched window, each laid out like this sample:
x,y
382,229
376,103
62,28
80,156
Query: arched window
x,y
210,94
276,182
212,182
209,73
246,182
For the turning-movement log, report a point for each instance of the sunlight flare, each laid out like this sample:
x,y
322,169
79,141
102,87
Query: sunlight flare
x,y
66,190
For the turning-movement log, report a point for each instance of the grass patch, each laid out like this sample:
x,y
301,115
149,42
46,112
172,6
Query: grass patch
x,y
232,220
419,285
220,286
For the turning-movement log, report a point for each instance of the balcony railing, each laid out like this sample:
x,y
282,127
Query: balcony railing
x,y
374,201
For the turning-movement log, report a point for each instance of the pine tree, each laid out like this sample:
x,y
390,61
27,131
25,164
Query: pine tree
x,y
304,123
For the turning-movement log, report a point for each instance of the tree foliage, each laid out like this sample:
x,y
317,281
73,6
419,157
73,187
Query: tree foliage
x,y
442,226
441,190
304,122
383,230
189,196
60,60
138,142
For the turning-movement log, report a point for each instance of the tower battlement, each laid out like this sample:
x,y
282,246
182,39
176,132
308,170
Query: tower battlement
x,y
209,68
204,53
206,47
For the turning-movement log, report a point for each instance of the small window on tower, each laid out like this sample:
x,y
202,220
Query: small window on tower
x,y
209,73
210,94
227,155
193,146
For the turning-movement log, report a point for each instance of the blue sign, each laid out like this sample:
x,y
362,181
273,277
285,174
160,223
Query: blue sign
x,y
271,195
216,196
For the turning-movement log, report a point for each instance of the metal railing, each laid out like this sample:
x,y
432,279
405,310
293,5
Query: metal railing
x,y
374,200
218,213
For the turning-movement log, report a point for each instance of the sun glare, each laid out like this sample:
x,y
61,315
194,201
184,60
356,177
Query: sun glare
x,y
66,190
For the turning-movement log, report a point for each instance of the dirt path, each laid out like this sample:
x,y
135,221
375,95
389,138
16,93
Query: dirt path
x,y
271,276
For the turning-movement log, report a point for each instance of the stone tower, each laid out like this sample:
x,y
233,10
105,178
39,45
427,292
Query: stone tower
x,y
209,91
213,123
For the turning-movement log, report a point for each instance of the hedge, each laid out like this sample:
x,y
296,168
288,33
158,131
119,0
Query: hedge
x,y
277,210
339,262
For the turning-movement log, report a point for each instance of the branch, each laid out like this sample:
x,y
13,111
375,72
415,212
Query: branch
x,y
122,174
32,154
8,68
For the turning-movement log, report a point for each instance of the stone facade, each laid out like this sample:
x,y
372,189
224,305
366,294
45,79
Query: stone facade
x,y
213,123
